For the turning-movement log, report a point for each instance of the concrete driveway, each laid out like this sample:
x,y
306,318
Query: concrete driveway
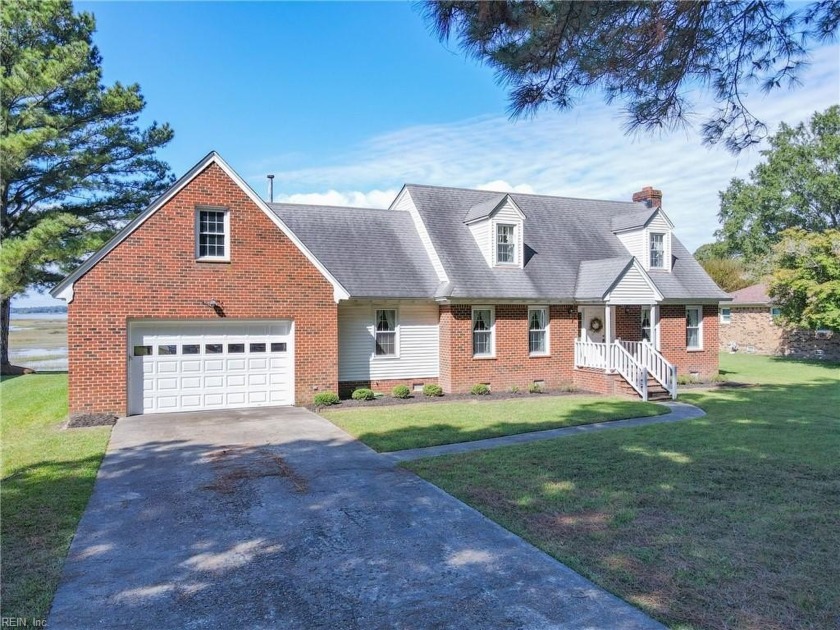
x,y
276,518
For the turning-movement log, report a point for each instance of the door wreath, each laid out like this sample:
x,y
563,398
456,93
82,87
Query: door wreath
x,y
595,324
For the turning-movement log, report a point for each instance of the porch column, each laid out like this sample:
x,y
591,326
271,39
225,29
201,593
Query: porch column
x,y
609,333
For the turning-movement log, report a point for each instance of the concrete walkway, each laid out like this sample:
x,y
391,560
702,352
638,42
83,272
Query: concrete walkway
x,y
275,518
679,411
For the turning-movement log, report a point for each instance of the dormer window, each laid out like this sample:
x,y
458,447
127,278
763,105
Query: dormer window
x,y
505,244
657,250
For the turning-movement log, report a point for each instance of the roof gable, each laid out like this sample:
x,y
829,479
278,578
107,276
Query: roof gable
x,y
638,220
486,209
64,289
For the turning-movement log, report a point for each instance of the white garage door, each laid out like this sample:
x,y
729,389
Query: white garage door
x,y
190,366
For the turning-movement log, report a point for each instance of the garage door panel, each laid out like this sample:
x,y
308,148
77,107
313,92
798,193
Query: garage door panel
x,y
178,366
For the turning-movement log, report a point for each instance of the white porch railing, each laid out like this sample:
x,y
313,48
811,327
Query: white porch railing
x,y
633,372
634,360
591,354
659,367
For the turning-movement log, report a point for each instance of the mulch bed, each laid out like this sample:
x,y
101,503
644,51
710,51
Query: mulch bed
x,y
416,398
82,420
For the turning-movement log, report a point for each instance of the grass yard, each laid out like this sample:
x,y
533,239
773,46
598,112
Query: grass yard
x,y
400,427
47,478
727,521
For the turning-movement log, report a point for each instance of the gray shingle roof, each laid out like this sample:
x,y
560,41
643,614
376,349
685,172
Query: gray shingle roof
x,y
632,220
372,253
484,208
595,277
559,234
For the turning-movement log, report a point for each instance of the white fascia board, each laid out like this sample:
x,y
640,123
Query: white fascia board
x,y
64,289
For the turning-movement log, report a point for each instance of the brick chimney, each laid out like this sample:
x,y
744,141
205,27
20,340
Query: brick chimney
x,y
648,196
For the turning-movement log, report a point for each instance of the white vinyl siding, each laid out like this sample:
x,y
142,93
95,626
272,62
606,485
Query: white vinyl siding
x,y
481,233
632,288
538,331
634,242
417,340
637,242
694,327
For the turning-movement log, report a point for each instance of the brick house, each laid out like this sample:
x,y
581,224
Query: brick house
x,y
750,323
213,298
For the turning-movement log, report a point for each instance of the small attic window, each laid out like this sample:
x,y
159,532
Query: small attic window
x,y
505,244
657,250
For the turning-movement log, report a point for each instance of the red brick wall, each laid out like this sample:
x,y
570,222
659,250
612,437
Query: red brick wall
x,y
628,323
459,371
598,381
154,274
672,341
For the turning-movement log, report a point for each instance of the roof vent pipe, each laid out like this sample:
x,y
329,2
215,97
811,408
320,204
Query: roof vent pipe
x,y
270,188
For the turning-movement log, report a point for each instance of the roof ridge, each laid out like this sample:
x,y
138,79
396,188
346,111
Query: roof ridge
x,y
521,194
327,205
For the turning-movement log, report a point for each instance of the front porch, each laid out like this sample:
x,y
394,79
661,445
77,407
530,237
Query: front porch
x,y
638,362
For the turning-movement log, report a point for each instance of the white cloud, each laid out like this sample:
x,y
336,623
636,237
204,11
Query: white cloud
x,y
581,153
500,185
371,199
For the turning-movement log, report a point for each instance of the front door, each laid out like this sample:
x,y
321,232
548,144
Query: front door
x,y
592,324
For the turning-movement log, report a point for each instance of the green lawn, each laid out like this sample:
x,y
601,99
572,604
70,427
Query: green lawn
x,y
399,427
47,478
732,520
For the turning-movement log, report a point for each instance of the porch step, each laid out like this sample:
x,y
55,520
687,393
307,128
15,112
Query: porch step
x,y
655,390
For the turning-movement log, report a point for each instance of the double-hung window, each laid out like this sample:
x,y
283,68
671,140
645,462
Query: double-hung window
x,y
538,330
775,312
694,327
212,234
725,315
386,332
505,244
646,329
657,251
482,329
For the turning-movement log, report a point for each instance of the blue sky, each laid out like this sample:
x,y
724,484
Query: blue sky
x,y
345,102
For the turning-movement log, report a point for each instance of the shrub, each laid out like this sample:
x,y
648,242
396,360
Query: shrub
x,y
514,389
480,389
568,387
535,388
401,391
363,394
431,390
325,399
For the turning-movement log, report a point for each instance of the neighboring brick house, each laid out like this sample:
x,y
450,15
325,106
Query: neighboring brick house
x,y
213,298
750,324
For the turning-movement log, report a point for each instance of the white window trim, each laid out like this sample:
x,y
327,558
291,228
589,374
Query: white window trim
x,y
198,211
699,328
492,310
665,249
387,357
727,320
666,266
650,320
495,236
547,352
774,317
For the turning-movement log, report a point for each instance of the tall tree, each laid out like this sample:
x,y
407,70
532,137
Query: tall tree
x,y
797,186
806,280
74,164
729,273
648,55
